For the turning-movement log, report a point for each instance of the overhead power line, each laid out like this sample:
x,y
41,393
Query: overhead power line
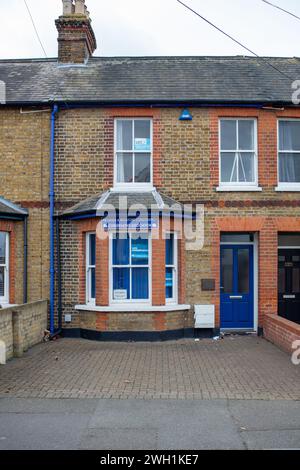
x,y
281,9
44,50
235,40
35,29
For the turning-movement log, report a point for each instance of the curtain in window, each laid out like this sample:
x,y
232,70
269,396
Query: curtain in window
x,y
289,162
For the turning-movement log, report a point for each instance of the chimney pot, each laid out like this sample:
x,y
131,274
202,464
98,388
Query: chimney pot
x,y
67,7
80,7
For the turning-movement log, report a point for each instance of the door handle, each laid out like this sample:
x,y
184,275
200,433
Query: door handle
x,y
235,297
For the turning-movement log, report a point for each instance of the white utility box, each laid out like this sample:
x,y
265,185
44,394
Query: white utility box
x,y
204,316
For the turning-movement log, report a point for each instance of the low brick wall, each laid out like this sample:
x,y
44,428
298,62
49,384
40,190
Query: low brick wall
x,y
281,332
23,326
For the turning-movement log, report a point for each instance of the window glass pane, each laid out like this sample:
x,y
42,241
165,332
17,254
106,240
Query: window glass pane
x,y
236,238
169,283
228,168
246,168
124,168
92,240
142,135
2,274
227,271
289,168
93,283
170,250
296,281
121,283
120,250
246,135
124,135
2,248
289,135
243,271
140,283
228,134
289,239
142,168
139,251
281,280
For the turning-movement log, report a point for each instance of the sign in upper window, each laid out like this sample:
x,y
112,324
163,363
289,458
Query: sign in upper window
x,y
289,152
238,152
133,159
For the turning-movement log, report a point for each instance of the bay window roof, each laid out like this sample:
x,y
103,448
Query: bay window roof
x,y
11,210
97,204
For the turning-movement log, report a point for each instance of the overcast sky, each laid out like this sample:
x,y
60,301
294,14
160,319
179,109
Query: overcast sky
x,y
157,27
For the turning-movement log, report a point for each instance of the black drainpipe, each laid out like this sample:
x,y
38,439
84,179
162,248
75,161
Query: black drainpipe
x,y
25,261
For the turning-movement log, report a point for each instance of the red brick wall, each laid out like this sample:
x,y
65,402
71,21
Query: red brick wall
x,y
267,229
281,332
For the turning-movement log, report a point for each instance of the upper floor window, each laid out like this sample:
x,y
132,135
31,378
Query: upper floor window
x,y
133,152
238,152
289,152
4,267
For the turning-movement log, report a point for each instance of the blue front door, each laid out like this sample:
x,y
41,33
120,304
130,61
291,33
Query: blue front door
x,y
237,287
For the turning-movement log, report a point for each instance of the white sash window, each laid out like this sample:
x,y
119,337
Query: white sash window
x,y
4,267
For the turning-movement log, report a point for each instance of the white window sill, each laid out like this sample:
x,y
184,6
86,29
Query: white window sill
x,y
133,308
238,188
129,188
288,188
4,305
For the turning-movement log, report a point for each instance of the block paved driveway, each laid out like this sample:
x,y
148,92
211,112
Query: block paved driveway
x,y
237,367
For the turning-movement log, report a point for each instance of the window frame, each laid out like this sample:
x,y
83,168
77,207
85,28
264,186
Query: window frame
x,y
174,299
134,185
239,185
5,299
283,185
130,266
88,269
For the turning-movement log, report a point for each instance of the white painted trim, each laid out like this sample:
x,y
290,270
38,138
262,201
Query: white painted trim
x,y
289,248
132,302
237,186
174,299
287,187
89,299
5,299
133,308
224,188
133,186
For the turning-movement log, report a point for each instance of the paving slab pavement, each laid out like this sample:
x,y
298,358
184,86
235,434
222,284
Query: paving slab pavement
x,y
109,424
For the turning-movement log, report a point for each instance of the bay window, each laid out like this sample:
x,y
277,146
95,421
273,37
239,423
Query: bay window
x,y
130,255
289,152
171,268
4,267
133,152
238,152
91,267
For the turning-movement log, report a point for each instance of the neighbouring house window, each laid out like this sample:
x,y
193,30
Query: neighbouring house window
x,y
91,267
133,144
289,152
130,267
4,267
238,152
171,268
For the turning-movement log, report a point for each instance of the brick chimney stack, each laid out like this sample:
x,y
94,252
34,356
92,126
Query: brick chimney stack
x,y
76,38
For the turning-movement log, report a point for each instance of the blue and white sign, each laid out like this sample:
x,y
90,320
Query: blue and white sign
x,y
130,224
142,144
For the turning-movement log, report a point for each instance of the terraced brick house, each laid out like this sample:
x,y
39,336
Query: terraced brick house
x,y
156,132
